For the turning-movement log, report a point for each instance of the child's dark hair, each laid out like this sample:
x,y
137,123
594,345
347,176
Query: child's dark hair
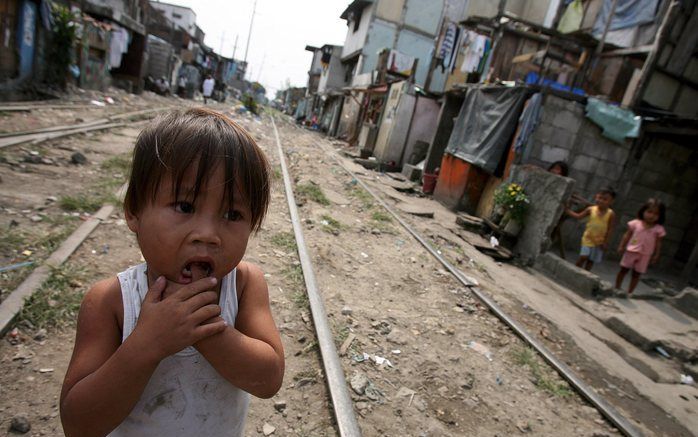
x,y
653,203
564,169
204,138
608,190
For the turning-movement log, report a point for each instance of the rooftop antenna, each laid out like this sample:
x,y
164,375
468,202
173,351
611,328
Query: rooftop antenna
x,y
249,34
261,67
235,47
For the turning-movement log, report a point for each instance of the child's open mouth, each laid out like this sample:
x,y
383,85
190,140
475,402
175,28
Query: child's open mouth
x,y
194,271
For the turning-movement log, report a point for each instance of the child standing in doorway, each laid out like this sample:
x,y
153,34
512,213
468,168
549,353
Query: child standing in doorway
x,y
641,243
173,346
599,227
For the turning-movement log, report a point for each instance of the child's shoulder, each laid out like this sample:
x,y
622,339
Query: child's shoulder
x,y
248,274
104,297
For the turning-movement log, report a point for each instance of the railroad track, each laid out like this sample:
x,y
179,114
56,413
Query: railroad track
x,y
53,132
343,408
347,422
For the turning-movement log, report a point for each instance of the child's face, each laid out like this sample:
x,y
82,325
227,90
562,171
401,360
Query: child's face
x,y
556,169
185,240
603,200
651,215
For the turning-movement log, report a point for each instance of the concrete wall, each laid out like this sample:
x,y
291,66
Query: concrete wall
x,y
424,15
390,10
332,77
423,125
531,10
381,35
186,18
565,134
666,170
355,39
655,167
419,46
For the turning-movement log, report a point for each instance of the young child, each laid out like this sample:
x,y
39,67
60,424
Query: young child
x,y
172,347
598,229
641,243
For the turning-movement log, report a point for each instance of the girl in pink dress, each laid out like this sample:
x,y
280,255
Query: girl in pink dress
x,y
642,242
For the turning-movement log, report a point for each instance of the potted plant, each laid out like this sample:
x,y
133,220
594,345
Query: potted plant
x,y
511,199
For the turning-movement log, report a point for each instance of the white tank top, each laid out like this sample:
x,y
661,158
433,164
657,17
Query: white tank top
x,y
185,396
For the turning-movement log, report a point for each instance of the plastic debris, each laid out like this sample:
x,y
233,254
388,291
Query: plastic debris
x,y
481,349
662,352
27,252
687,379
97,103
16,266
493,241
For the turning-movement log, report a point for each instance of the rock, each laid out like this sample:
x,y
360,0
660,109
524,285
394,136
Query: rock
x,y
40,335
347,311
686,301
78,158
280,406
20,424
268,429
33,159
397,337
468,382
36,218
358,383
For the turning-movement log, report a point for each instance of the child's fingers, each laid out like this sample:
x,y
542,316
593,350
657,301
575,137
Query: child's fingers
x,y
154,293
195,288
202,299
205,313
209,329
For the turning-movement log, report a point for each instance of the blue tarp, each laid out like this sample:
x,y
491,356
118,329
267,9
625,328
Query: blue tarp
x,y
628,13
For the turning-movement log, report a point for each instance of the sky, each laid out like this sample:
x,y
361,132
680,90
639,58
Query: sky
x,y
281,30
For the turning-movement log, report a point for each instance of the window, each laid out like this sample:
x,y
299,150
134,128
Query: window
x,y
175,15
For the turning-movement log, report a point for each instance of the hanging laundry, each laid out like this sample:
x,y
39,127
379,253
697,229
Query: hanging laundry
x,y
528,120
474,45
572,18
118,46
447,48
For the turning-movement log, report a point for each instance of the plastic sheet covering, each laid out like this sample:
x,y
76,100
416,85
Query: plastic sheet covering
x,y
572,18
628,13
617,123
485,125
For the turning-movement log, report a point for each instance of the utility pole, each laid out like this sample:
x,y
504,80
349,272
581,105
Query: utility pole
x,y
220,50
235,47
249,34
261,67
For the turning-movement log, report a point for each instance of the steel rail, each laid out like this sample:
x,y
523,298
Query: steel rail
x,y
608,411
49,133
336,380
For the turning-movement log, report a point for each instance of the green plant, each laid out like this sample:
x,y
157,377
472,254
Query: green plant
x,y
381,216
80,203
250,103
329,224
284,240
313,192
525,356
63,38
58,300
512,199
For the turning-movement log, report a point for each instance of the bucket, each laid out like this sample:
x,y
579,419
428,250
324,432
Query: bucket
x,y
429,182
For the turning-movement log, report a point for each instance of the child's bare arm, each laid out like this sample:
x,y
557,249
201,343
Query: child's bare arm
x,y
624,241
578,215
105,377
609,231
250,355
657,250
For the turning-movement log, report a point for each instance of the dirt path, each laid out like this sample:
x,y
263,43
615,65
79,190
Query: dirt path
x,y
454,368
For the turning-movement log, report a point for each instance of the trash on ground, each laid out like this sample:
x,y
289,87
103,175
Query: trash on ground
x,y
481,349
493,241
687,379
16,266
662,352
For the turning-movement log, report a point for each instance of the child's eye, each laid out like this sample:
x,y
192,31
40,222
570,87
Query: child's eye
x,y
184,207
233,215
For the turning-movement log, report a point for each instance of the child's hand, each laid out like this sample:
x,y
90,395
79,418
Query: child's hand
x,y
168,325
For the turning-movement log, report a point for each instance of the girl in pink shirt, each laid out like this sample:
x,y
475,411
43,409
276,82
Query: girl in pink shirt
x,y
642,242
